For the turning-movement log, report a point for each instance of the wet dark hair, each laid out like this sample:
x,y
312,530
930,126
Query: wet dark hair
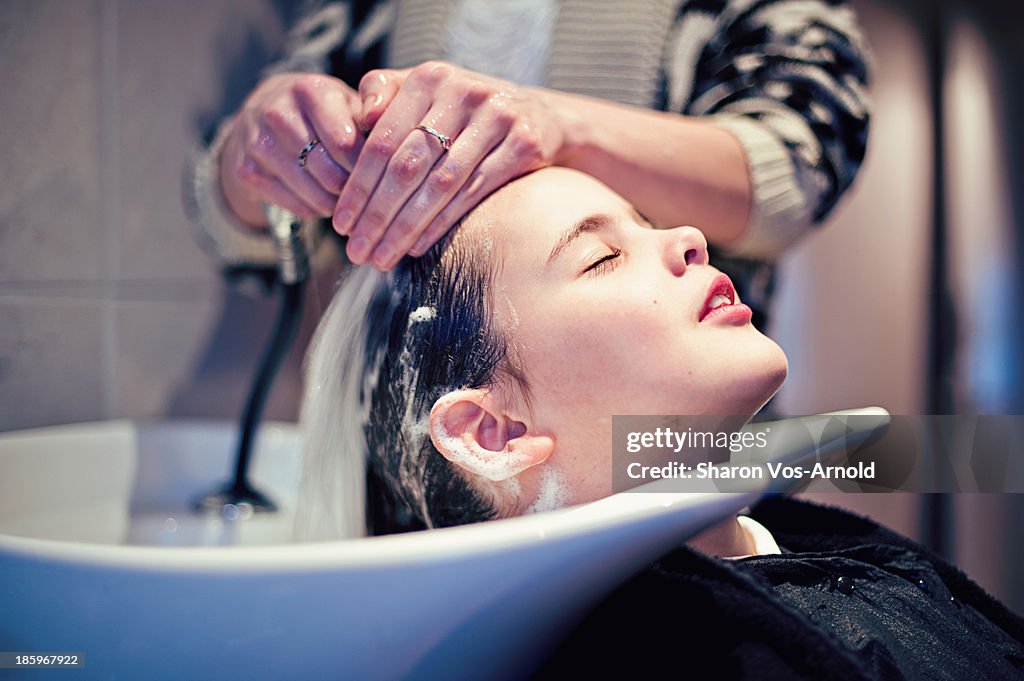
x,y
430,331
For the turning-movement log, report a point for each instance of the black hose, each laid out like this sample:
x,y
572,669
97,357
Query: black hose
x,y
285,328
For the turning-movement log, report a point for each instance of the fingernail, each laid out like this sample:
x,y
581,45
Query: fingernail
x,y
382,256
419,248
358,249
342,221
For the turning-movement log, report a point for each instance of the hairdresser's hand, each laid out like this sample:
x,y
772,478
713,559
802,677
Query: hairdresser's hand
x,y
260,160
406,191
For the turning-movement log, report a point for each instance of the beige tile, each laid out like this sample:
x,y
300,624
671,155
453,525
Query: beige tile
x,y
159,345
51,362
197,359
177,62
50,220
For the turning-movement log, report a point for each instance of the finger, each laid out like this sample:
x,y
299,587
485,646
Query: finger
x,y
495,163
282,137
443,182
328,110
322,168
399,119
267,189
377,90
498,168
376,231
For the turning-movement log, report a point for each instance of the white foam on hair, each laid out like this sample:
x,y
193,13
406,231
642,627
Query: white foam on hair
x,y
552,492
423,313
511,487
486,239
415,428
332,493
513,315
487,243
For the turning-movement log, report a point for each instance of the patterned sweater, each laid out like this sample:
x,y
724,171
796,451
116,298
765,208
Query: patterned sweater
x,y
786,77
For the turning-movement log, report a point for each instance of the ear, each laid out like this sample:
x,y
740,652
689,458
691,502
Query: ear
x,y
472,428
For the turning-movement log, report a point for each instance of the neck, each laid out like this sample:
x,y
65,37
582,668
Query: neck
x,y
726,538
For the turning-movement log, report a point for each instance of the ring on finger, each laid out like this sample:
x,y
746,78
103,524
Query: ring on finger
x,y
445,140
304,154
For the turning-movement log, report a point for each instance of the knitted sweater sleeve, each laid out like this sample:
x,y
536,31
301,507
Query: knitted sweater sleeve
x,y
788,79
235,245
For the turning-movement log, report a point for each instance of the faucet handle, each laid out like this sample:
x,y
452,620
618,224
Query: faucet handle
x,y
286,229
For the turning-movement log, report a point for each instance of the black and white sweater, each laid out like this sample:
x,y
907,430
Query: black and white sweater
x,y
786,77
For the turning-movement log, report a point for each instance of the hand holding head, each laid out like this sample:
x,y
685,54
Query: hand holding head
x,y
441,139
293,144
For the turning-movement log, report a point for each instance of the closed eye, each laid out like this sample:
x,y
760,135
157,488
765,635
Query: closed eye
x,y
605,264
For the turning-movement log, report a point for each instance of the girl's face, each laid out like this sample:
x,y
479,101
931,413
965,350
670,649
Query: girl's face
x,y
610,316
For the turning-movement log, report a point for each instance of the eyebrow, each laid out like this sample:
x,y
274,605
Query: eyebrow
x,y
588,225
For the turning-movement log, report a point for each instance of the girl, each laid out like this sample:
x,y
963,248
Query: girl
x,y
479,382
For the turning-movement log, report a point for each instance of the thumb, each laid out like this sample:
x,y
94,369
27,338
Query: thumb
x,y
377,89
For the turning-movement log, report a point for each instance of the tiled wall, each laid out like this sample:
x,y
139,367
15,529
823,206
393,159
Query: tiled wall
x,y
107,307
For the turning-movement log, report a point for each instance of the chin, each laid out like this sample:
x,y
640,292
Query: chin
x,y
773,375
761,378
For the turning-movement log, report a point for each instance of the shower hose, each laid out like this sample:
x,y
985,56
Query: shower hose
x,y
239,495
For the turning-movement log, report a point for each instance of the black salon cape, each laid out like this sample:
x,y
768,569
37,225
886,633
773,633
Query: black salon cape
x,y
847,599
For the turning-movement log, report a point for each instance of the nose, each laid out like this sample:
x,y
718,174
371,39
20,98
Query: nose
x,y
684,246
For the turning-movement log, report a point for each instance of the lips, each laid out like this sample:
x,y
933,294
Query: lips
x,y
721,296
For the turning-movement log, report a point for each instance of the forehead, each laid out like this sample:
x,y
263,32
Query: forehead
x,y
528,215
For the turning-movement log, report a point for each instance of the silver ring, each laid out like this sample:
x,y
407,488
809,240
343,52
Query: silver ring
x,y
304,154
445,140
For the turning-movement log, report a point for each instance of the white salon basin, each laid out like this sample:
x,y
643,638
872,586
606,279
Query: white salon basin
x,y
99,555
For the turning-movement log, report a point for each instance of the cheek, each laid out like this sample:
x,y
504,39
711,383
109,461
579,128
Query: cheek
x,y
594,354
631,356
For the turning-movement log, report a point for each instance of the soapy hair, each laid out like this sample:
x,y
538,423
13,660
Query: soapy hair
x,y
388,347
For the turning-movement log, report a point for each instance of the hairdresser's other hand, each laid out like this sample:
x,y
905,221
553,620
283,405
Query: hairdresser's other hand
x,y
406,191
260,160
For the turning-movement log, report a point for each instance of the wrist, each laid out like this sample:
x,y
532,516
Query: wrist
x,y
236,197
573,129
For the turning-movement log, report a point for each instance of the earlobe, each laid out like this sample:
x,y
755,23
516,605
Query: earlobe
x,y
472,429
